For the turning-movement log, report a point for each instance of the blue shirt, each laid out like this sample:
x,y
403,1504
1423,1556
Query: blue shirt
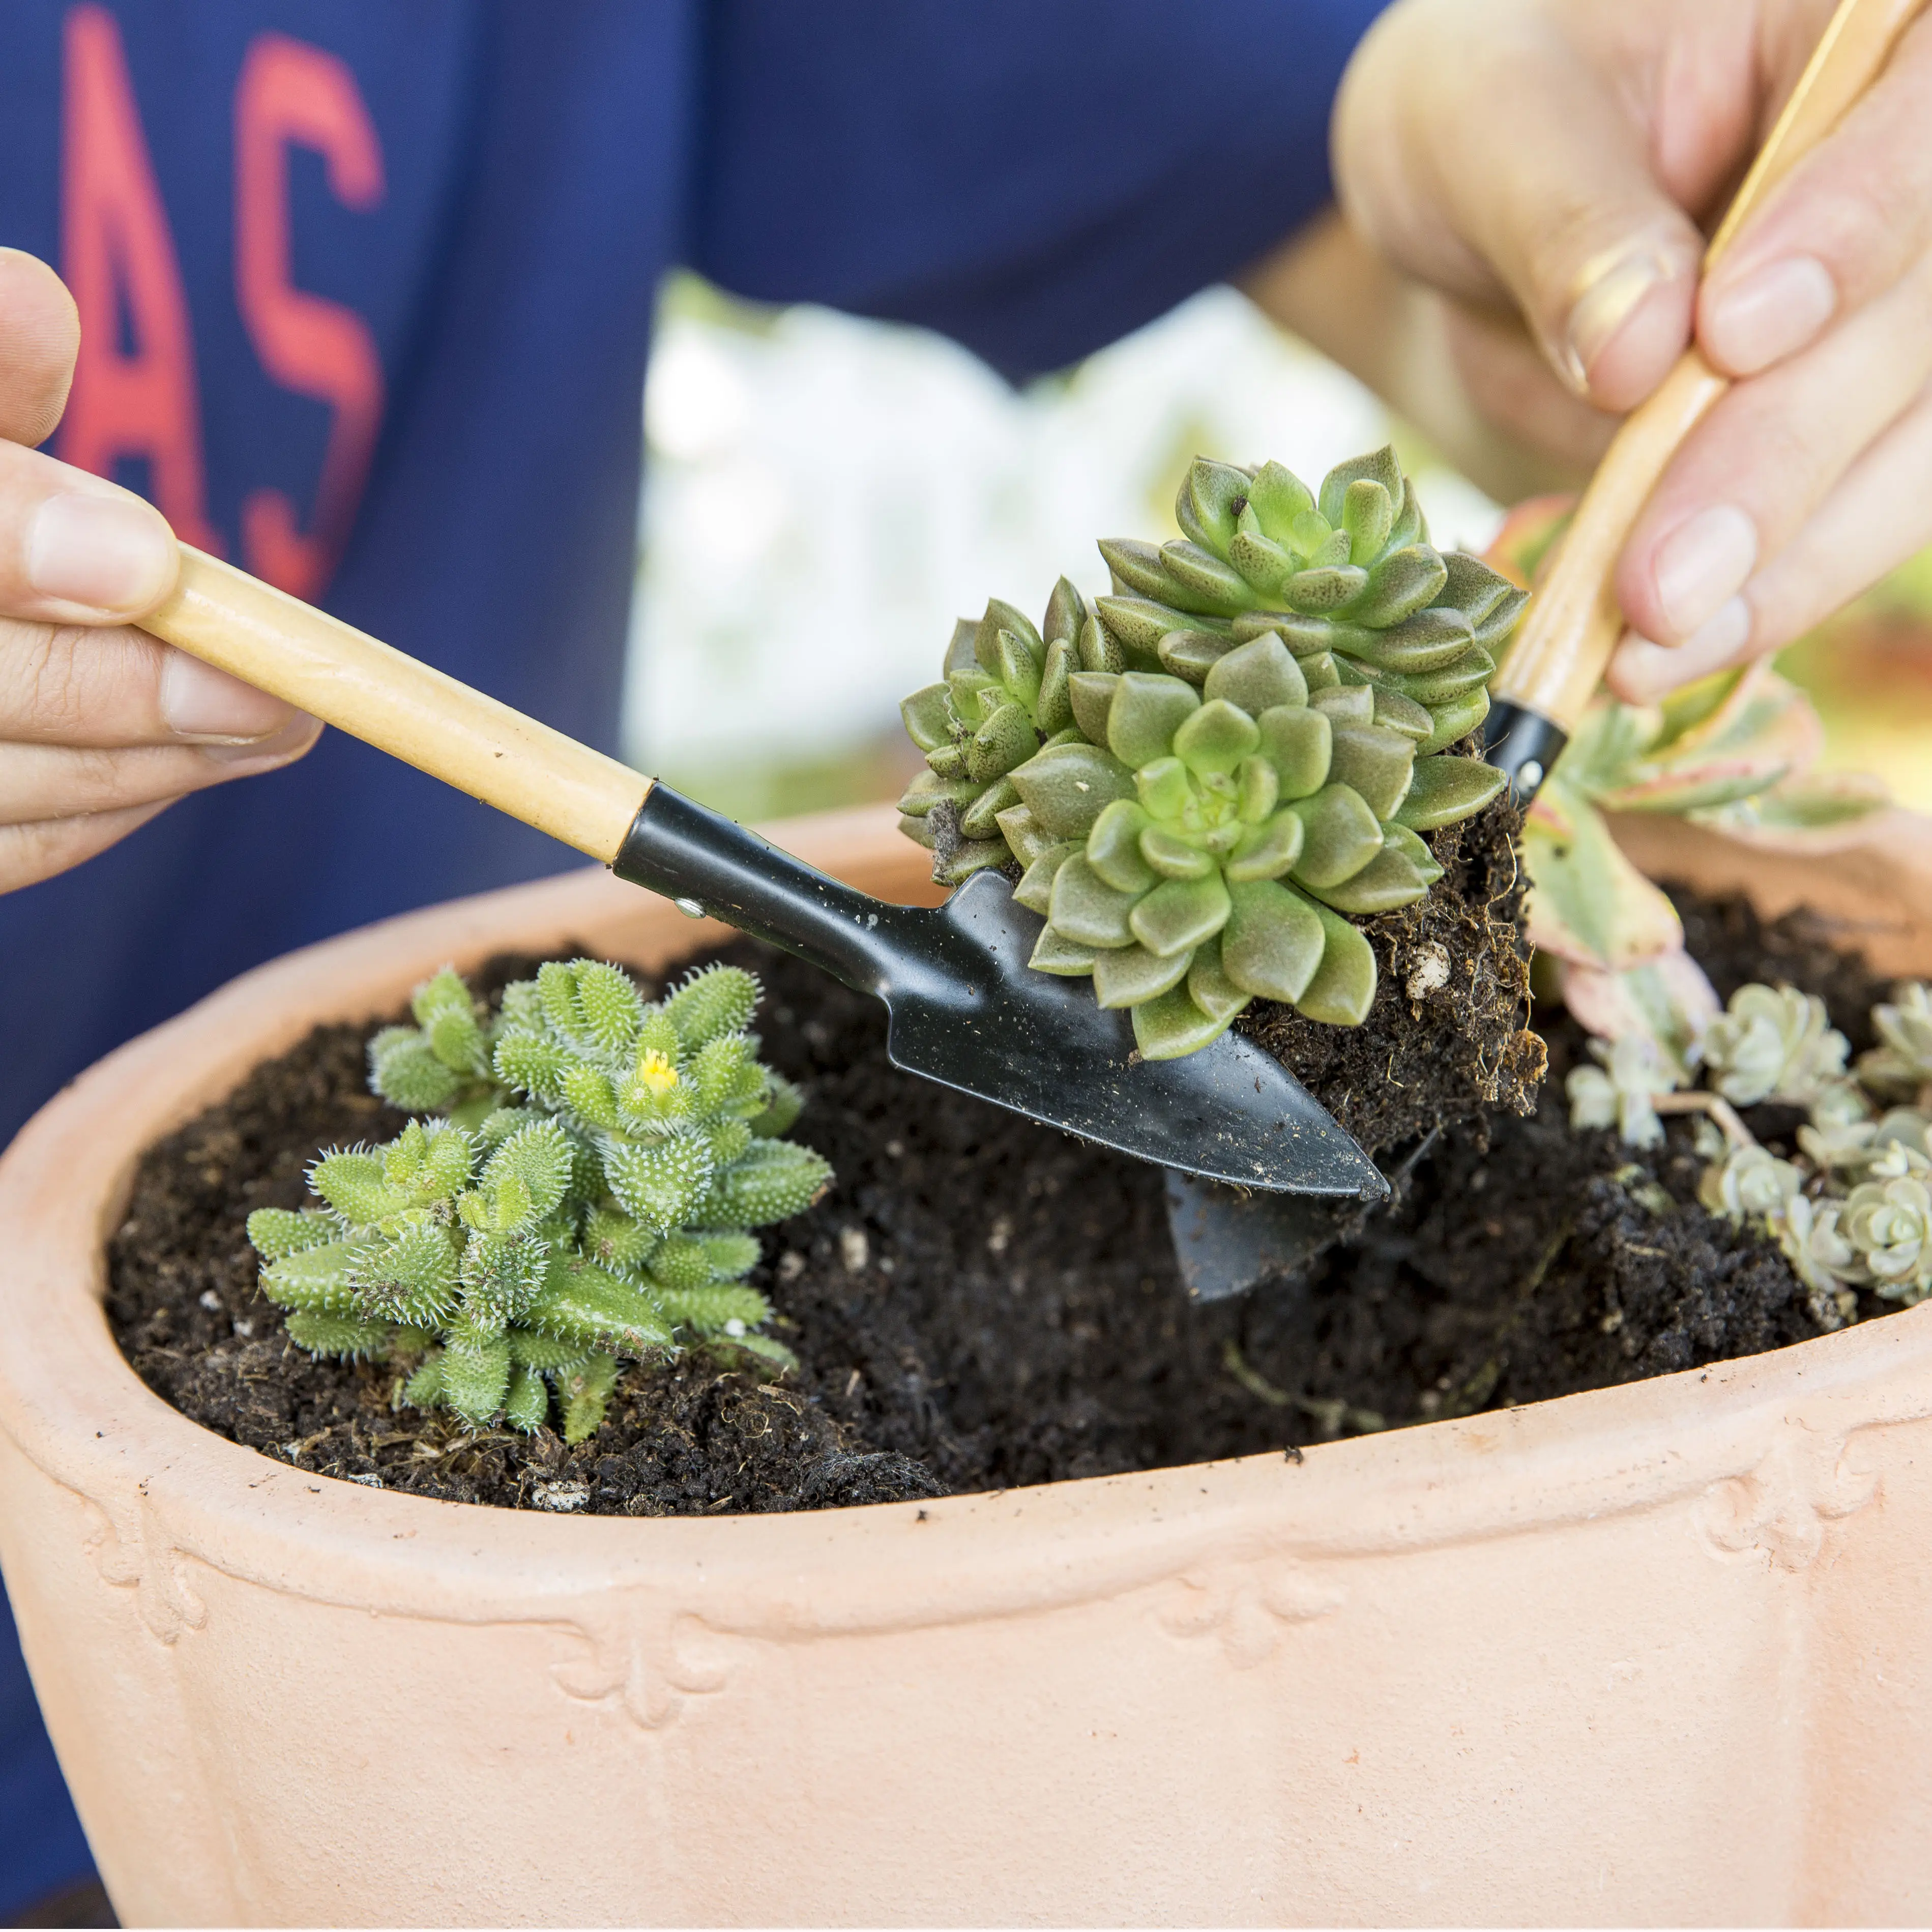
x,y
366,292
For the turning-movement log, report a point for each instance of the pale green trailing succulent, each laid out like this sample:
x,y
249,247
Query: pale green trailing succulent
x,y
1205,776
1746,1182
1621,1090
1855,1209
1773,1043
1345,576
590,1200
1901,1064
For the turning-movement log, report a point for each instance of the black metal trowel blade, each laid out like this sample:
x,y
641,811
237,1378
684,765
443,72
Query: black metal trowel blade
x,y
1227,1241
985,1023
966,1010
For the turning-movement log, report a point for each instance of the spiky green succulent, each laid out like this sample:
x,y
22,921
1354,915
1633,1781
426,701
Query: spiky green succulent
x,y
591,1200
1193,850
1346,577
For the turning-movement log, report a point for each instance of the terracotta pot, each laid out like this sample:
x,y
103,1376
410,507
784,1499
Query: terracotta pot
x,y
1654,1653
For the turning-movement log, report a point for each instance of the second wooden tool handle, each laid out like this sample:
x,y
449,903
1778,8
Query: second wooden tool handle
x,y
1573,625
408,709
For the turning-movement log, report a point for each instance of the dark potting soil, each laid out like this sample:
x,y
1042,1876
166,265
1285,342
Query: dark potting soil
x,y
1447,1040
979,1303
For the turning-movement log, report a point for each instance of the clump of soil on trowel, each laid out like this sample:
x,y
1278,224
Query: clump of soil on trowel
x,y
980,1302
1447,1040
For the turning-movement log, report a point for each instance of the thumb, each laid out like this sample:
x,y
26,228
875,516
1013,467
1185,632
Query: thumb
x,y
1513,163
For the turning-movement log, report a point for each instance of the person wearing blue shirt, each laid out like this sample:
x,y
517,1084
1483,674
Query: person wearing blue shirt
x,y
358,294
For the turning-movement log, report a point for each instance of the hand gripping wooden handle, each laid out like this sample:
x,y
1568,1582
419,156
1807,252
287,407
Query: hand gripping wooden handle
x,y
423,716
1559,654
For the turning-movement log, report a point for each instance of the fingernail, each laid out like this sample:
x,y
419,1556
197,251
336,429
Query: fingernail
x,y
297,735
207,706
1774,311
1646,671
109,553
1611,288
1701,564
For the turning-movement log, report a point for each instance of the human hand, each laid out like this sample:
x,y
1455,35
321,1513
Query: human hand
x,y
101,726
1544,166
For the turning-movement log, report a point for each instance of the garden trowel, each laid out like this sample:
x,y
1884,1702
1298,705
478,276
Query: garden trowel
x,y
964,1007
1550,671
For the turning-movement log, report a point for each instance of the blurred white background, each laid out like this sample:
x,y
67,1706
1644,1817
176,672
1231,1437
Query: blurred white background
x,y
824,497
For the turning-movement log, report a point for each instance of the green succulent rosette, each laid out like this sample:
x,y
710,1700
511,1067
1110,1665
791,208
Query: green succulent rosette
x,y
1346,577
588,1198
1193,849
1005,693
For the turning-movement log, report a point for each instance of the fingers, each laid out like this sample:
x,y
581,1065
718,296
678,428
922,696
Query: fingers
x,y
40,335
29,854
1850,221
1880,514
1433,127
38,782
1754,473
107,689
100,727
1507,380
76,549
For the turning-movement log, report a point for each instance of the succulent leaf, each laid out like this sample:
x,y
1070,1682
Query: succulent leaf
x,y
1247,726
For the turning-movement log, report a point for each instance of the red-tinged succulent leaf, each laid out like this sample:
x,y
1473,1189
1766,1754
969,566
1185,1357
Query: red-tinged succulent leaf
x,y
1666,999
1588,903
1803,814
1528,533
1760,731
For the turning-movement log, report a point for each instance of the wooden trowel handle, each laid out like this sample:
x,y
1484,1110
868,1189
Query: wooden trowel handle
x,y
422,715
1553,666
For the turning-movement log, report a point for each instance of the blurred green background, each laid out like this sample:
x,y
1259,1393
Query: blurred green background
x,y
823,497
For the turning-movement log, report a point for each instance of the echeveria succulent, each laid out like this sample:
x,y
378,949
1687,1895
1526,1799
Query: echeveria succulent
x,y
528,1247
1193,850
1005,693
1203,777
1346,577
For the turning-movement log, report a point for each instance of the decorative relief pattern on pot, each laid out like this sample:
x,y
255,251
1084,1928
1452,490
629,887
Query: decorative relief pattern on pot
x,y
1781,1507
138,1554
1246,1605
647,1658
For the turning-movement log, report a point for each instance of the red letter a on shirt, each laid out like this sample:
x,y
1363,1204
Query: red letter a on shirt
x,y
290,92
118,257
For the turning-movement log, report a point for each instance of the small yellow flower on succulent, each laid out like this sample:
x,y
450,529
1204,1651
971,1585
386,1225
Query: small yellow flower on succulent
x,y
656,1073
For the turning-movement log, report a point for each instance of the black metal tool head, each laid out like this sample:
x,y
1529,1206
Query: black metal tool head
x,y
966,1009
1228,1240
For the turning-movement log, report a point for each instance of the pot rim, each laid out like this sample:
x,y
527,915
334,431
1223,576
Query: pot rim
x,y
165,1489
